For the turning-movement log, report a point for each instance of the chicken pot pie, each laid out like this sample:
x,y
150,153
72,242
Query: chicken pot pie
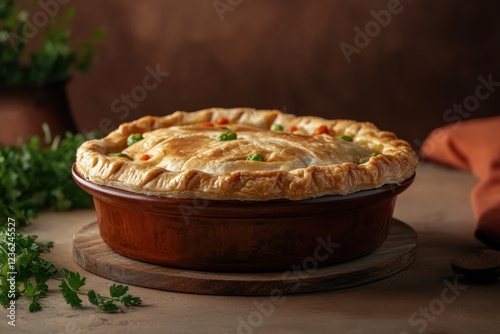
x,y
245,154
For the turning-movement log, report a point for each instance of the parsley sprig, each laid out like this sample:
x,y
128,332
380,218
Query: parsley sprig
x,y
70,289
54,57
36,175
31,273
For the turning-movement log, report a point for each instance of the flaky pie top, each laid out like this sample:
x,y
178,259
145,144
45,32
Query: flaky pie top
x,y
245,154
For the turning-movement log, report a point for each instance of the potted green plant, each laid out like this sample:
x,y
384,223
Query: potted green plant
x,y
36,63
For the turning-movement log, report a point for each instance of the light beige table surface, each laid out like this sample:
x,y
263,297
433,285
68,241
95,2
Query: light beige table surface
x,y
425,298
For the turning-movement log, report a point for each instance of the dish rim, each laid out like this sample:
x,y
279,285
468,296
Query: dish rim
x,y
389,188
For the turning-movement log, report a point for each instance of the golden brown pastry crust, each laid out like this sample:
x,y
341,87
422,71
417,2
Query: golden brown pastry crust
x,y
185,160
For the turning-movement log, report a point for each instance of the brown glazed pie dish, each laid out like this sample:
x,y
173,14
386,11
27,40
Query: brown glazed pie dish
x,y
226,235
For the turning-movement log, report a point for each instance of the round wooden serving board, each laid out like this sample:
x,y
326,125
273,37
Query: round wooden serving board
x,y
397,253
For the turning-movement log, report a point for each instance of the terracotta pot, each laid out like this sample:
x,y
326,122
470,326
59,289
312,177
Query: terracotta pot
x,y
23,110
243,236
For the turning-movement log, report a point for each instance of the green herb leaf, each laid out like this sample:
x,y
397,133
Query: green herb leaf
x,y
94,298
277,127
117,291
74,279
69,295
35,306
129,300
110,307
29,289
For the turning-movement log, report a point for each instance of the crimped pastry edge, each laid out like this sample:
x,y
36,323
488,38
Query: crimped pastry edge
x,y
397,162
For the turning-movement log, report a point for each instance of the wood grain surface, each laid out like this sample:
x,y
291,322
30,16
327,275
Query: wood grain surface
x,y
397,253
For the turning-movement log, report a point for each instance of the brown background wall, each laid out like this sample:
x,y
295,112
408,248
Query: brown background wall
x,y
286,55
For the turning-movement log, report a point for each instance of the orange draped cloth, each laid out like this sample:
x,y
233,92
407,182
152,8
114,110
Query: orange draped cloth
x,y
473,145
